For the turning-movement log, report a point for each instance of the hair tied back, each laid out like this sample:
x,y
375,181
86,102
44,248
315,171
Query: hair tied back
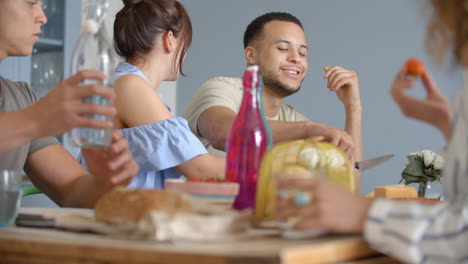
x,y
131,2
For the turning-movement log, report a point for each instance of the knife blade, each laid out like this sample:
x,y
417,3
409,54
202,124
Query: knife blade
x,y
370,163
34,220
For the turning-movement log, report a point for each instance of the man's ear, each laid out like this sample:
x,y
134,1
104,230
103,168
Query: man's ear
x,y
250,55
168,41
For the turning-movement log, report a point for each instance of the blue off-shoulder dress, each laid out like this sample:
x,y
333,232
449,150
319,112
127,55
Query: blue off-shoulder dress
x,y
160,146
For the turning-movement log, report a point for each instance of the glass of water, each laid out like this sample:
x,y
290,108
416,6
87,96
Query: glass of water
x,y
10,196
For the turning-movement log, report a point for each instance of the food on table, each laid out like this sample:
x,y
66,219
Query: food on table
x,y
395,191
216,193
298,159
415,67
132,205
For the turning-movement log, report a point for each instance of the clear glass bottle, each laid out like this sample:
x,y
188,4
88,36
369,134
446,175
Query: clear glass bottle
x,y
94,51
247,142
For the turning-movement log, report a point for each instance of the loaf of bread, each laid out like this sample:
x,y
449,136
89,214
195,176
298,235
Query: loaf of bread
x,y
132,205
395,191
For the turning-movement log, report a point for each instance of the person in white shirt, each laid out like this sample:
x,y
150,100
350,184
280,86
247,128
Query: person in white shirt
x,y
409,231
276,42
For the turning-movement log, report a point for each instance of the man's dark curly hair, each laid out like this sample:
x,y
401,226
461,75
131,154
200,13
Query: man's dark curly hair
x,y
255,28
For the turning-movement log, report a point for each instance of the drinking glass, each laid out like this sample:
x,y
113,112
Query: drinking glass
x,y
10,196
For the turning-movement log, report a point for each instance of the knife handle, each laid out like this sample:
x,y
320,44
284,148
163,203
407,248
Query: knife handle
x,y
356,165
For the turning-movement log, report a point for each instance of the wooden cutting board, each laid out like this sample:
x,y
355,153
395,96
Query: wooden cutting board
x,y
36,245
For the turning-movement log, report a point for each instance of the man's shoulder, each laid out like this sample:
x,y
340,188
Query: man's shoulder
x,y
9,83
21,91
223,82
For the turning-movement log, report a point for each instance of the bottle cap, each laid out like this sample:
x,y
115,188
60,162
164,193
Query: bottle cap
x,y
90,26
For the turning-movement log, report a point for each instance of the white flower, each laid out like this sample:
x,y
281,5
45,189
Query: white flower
x,y
439,162
429,157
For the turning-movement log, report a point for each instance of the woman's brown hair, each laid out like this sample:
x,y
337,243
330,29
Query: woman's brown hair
x,y
448,28
140,22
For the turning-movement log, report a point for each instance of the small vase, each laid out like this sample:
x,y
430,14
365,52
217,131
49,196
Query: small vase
x,y
430,190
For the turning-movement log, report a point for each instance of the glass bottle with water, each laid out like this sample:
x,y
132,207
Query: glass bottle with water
x,y
247,142
93,51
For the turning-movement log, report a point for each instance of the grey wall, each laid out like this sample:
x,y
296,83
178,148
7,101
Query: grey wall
x,y
372,37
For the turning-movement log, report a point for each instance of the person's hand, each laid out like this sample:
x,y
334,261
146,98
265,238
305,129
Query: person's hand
x,y
331,207
62,108
334,136
434,109
113,165
345,83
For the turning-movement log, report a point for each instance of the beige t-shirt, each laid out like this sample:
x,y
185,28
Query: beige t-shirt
x,y
227,92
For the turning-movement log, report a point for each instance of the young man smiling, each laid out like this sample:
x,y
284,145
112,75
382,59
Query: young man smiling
x,y
277,43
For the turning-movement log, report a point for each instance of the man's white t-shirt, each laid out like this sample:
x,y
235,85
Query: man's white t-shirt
x,y
227,92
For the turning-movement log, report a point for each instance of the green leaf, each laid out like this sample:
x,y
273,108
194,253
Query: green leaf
x,y
411,179
416,172
415,166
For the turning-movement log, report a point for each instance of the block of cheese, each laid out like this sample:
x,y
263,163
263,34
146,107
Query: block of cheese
x,y
395,191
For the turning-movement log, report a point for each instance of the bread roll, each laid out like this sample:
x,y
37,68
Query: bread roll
x,y
132,205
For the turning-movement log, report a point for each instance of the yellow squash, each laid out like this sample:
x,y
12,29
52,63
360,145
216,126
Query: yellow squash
x,y
299,158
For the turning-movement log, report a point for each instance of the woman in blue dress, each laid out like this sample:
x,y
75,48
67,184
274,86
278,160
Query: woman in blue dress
x,y
153,38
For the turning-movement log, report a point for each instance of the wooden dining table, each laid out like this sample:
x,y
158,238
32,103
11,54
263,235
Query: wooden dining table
x,y
49,245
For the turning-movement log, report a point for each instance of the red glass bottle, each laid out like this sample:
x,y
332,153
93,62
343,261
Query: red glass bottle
x,y
247,142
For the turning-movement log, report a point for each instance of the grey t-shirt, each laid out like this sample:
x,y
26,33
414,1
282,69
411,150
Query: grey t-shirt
x,y
15,96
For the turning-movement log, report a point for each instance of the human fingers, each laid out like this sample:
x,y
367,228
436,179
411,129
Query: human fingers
x,y
88,122
341,81
117,134
338,73
347,147
429,84
307,212
119,143
129,170
79,77
334,139
309,224
119,160
94,90
400,84
309,184
330,71
95,109
285,208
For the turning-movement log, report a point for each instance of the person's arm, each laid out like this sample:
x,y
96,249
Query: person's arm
x,y
407,230
204,167
57,174
138,104
59,111
354,128
215,122
414,232
434,109
346,85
